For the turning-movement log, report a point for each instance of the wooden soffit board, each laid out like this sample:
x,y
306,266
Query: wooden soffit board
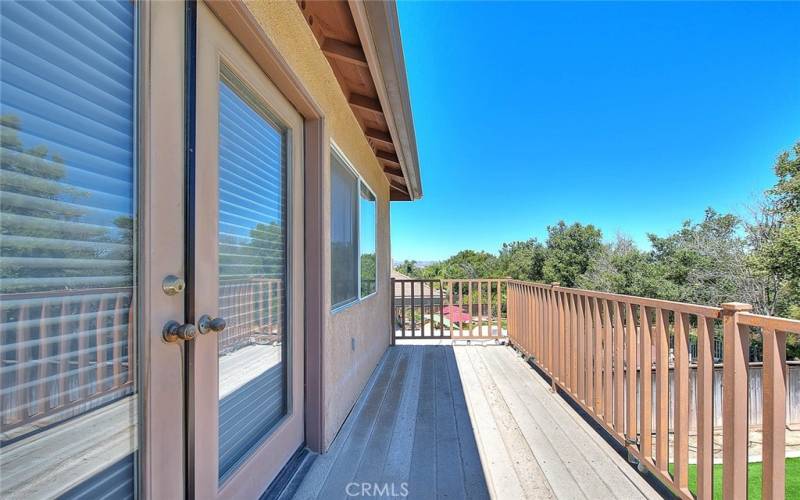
x,y
332,23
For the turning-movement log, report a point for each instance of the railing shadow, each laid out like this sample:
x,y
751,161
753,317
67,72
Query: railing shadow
x,y
654,482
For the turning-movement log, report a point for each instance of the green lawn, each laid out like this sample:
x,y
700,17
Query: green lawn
x,y
753,479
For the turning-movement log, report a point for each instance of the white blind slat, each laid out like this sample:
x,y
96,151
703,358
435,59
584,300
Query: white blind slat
x,y
252,271
67,184
344,233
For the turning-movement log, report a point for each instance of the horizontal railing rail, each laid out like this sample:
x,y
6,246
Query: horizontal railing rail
x,y
611,354
458,309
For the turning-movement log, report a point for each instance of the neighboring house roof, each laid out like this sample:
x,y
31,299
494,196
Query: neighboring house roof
x,y
418,287
361,41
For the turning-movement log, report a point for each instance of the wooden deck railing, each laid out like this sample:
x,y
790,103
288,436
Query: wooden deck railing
x,y
253,312
67,352
593,345
63,352
460,309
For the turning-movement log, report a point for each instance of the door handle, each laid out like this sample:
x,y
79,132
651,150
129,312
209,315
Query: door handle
x,y
174,331
208,324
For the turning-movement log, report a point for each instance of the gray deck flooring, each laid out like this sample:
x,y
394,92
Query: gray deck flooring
x,y
466,422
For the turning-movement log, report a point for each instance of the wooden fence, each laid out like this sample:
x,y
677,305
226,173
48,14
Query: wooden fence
x,y
755,399
589,343
449,309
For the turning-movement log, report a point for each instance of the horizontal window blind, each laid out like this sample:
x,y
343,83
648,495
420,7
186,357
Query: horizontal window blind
x,y
67,176
252,271
67,146
344,233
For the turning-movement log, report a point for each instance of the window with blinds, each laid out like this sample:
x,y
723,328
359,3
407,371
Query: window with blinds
x,y
344,233
67,239
252,270
353,233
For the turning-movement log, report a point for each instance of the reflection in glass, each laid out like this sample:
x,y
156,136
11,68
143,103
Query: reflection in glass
x,y
344,233
67,183
252,271
366,240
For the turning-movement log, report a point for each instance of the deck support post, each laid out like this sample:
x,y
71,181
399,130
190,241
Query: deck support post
x,y
736,349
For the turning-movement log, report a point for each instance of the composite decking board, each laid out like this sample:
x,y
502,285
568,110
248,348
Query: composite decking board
x,y
422,478
600,461
370,468
354,446
457,422
609,465
530,476
320,470
449,473
474,483
397,466
606,462
563,465
497,464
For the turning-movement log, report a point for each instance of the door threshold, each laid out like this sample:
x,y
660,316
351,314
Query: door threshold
x,y
288,480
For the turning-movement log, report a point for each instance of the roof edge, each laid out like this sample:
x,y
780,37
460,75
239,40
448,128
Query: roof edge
x,y
379,30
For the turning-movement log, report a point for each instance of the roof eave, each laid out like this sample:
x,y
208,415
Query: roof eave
x,y
379,30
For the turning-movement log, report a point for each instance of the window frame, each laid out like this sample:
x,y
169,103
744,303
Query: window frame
x,y
360,181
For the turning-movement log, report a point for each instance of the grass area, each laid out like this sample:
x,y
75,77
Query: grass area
x,y
753,479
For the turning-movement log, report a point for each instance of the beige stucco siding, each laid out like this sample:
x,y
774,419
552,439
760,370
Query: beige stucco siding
x,y
356,336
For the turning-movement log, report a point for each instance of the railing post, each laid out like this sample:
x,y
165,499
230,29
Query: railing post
x,y
511,324
736,344
392,324
705,407
554,329
774,418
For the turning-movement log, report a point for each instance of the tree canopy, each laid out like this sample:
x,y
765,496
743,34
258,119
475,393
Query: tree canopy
x,y
721,258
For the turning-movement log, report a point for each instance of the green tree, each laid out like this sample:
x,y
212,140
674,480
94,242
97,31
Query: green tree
x,y
570,250
466,264
408,267
706,261
368,273
620,267
780,254
522,260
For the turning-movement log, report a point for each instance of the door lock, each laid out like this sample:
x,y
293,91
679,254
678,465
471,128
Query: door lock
x,y
207,324
174,331
173,285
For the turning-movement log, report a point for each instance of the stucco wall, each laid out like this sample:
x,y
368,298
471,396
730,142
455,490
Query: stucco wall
x,y
356,336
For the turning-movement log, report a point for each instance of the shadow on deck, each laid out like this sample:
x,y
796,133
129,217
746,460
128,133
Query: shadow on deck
x,y
466,422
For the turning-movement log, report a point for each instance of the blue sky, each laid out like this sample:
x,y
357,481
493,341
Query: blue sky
x,y
630,116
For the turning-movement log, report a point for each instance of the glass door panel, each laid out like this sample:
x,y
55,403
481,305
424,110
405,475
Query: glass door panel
x,y
247,379
252,270
68,384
